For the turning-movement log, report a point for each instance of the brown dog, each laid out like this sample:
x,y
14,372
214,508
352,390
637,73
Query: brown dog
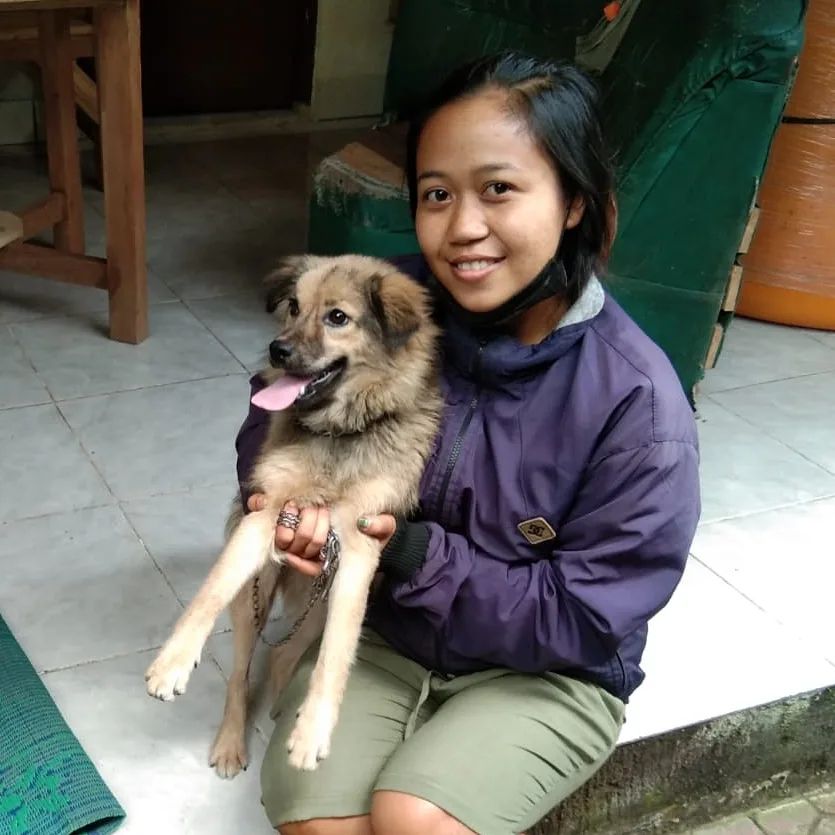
x,y
355,409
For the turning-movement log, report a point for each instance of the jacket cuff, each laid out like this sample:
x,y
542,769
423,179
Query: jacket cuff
x,y
406,551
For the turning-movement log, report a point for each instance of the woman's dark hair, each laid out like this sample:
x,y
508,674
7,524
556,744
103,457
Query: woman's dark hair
x,y
559,104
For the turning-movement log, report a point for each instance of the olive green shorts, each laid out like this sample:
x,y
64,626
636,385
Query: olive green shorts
x,y
496,749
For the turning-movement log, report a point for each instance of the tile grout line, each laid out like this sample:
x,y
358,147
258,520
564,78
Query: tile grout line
x,y
106,658
151,386
732,586
791,377
792,631
760,511
184,491
147,550
57,512
217,338
28,405
768,434
818,336
206,329
87,455
32,365
211,333
91,661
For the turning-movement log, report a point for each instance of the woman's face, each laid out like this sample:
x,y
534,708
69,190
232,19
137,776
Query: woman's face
x,y
490,210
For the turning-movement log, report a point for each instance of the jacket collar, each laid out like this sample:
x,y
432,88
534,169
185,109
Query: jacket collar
x,y
502,358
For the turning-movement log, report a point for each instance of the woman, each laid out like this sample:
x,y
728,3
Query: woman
x,y
556,512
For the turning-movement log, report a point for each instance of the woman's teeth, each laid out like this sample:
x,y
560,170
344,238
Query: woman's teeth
x,y
464,266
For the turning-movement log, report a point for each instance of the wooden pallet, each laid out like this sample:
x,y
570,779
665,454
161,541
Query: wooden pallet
x,y
732,289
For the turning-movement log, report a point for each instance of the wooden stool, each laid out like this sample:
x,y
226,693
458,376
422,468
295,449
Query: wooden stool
x,y
115,40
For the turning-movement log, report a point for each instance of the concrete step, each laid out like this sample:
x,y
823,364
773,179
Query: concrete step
x,y
684,778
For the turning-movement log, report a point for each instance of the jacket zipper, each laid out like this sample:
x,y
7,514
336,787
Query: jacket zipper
x,y
459,440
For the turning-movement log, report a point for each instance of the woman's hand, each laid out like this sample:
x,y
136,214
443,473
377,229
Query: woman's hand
x,y
303,545
380,527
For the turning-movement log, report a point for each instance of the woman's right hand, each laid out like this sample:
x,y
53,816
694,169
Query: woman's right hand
x,y
303,545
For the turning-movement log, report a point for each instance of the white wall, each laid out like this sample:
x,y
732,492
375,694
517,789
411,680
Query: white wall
x,y
353,39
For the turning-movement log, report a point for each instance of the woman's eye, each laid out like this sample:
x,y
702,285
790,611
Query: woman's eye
x,y
436,195
498,189
293,307
337,317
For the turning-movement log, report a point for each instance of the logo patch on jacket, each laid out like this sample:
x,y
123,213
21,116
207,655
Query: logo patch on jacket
x,y
536,530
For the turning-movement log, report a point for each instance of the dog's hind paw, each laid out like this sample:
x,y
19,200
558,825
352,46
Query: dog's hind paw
x,y
310,740
168,676
228,755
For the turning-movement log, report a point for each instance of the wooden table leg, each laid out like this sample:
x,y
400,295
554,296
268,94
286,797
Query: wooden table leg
x,y
120,105
61,129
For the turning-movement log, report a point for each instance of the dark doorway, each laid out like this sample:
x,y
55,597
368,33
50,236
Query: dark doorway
x,y
213,56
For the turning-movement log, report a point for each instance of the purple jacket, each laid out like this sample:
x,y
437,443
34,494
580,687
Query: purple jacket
x,y
589,430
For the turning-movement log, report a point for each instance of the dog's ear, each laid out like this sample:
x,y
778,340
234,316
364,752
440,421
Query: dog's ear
x,y
281,282
398,305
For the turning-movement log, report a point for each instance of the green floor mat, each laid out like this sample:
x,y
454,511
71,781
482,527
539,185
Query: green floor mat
x,y
48,786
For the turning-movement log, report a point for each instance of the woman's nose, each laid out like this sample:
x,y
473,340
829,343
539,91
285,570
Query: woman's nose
x,y
468,222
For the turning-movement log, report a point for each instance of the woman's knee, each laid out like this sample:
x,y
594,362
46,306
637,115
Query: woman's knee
x,y
398,813
328,826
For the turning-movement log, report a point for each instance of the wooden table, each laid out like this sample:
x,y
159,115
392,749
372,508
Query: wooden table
x,y
122,272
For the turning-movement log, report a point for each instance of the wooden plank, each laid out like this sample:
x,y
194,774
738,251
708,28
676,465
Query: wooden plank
x,y
750,228
732,290
715,344
61,130
52,5
81,46
11,228
25,28
86,94
18,20
120,112
59,266
43,215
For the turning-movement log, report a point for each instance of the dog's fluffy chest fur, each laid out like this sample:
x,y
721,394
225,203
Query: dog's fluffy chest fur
x,y
323,469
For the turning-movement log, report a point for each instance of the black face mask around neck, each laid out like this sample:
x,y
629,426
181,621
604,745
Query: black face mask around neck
x,y
551,280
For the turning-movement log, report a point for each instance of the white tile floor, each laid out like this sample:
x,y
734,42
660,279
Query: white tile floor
x,y
111,507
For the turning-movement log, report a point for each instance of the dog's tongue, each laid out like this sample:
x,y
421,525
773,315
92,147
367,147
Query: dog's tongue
x,y
280,394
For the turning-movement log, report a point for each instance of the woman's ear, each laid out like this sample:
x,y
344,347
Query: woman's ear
x,y
575,211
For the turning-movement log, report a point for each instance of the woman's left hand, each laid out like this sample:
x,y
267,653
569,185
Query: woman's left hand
x,y
380,527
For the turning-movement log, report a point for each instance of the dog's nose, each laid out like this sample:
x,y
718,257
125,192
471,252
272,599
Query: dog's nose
x,y
280,351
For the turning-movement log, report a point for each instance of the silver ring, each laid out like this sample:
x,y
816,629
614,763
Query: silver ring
x,y
288,520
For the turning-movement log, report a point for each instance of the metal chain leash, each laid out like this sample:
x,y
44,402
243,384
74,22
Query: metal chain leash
x,y
329,558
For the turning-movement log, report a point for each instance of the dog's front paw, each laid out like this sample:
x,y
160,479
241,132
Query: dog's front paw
x,y
168,676
228,756
310,741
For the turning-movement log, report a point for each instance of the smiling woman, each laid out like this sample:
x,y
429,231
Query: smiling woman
x,y
556,511
505,169
486,227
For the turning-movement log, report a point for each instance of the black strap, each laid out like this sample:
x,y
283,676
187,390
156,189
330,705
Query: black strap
x,y
551,281
809,120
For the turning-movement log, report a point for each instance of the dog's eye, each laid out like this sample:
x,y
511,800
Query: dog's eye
x,y
337,317
293,307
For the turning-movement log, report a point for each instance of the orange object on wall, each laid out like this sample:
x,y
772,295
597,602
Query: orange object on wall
x,y
789,270
611,10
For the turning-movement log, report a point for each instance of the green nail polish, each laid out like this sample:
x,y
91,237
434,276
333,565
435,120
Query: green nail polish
x,y
363,523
